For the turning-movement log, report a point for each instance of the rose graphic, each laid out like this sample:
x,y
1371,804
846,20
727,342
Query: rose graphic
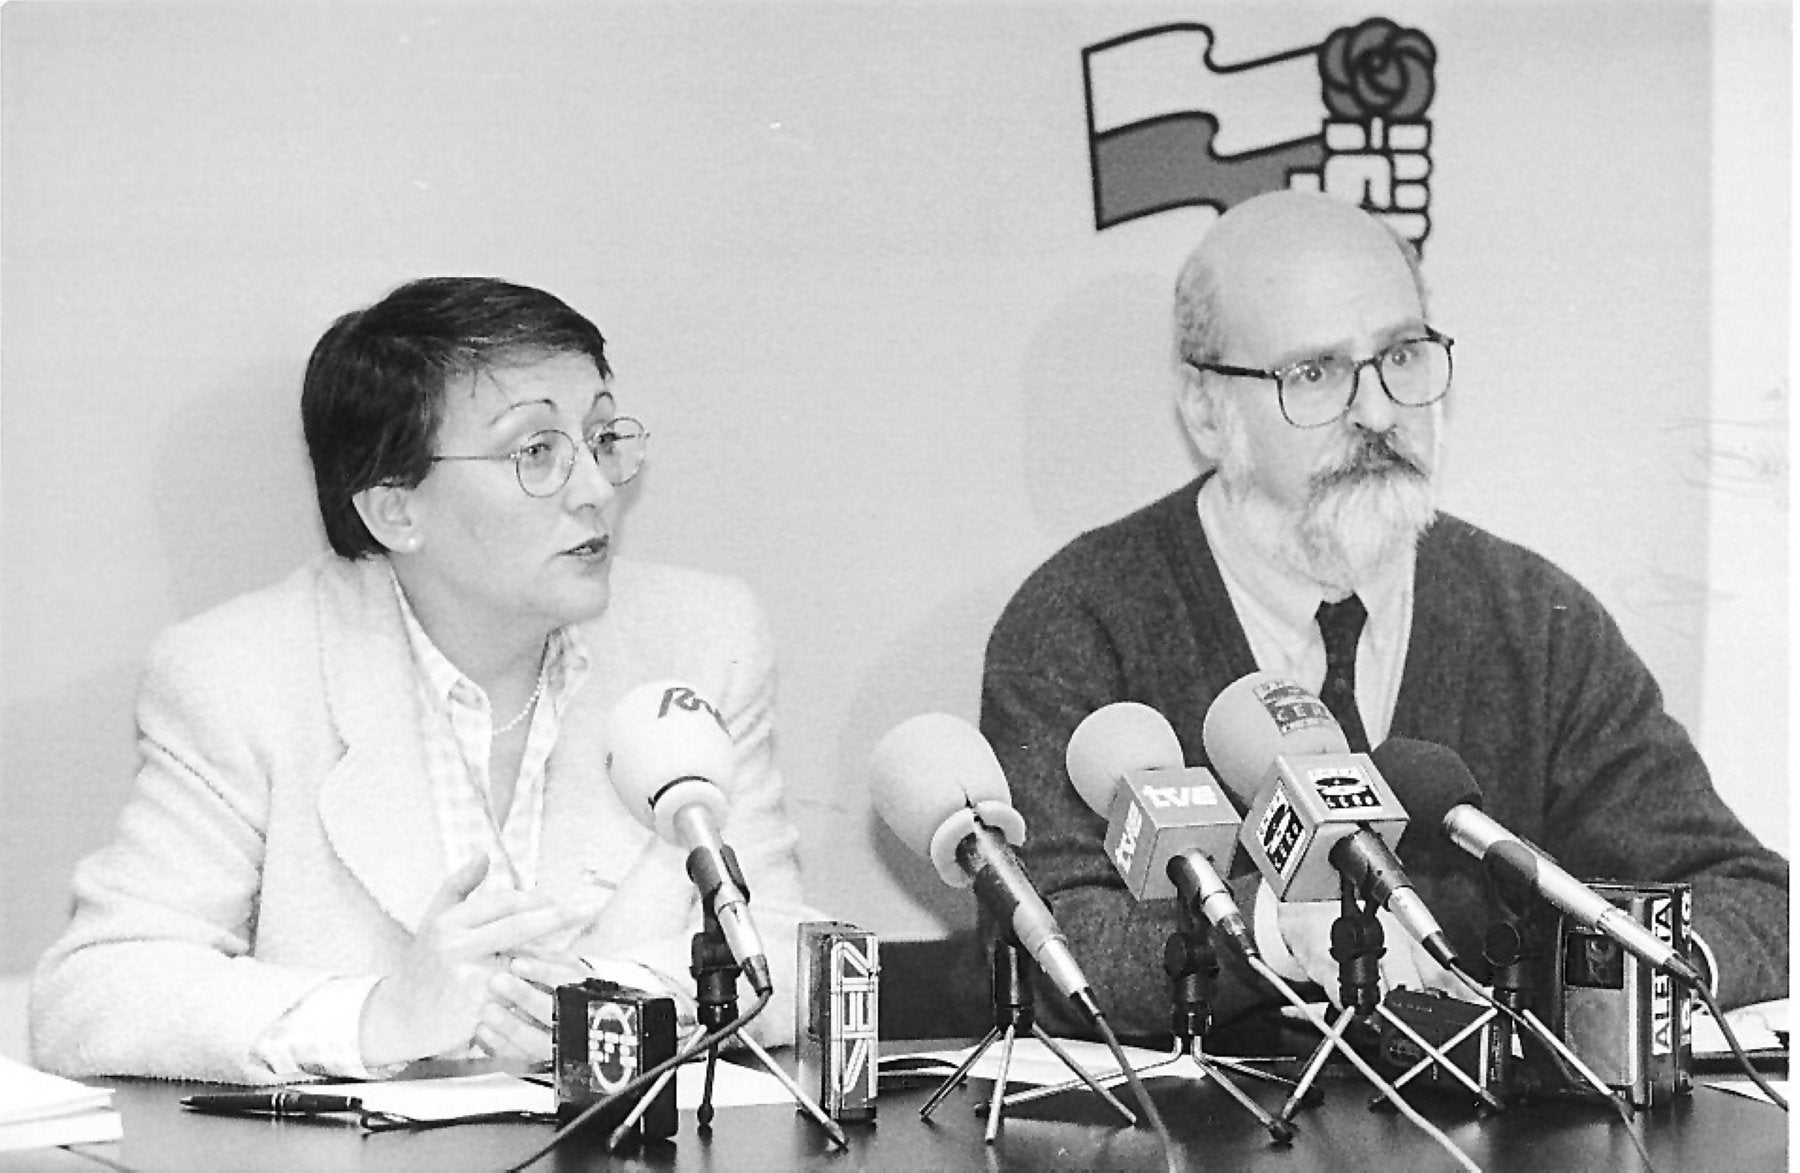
x,y
1377,70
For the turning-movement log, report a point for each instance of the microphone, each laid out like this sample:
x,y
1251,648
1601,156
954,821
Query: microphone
x,y
1259,718
1169,829
1314,811
1455,802
667,750
939,788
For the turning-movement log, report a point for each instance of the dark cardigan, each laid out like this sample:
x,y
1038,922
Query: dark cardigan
x,y
1511,663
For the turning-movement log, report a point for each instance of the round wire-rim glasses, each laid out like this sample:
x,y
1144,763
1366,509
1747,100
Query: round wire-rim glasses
x,y
1413,372
544,461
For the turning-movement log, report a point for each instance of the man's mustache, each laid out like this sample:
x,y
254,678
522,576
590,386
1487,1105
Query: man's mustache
x,y
1371,455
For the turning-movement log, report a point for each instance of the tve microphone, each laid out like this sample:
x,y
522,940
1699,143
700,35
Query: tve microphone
x,y
939,788
667,750
1440,770
1314,813
1170,830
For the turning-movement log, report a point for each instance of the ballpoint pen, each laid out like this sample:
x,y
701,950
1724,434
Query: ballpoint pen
x,y
284,1102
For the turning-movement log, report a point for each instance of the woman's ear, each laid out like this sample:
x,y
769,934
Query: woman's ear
x,y
392,514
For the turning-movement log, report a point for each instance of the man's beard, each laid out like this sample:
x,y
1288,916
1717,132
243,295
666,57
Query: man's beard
x,y
1365,508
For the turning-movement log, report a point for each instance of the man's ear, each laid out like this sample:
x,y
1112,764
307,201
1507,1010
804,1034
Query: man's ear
x,y
1199,407
392,514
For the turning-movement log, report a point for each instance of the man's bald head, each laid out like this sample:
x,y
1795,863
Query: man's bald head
x,y
1270,250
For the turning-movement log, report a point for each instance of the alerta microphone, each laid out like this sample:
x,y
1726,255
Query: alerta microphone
x,y
939,788
1314,812
1170,830
1441,771
668,751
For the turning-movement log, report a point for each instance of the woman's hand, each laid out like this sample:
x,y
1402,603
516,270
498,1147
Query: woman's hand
x,y
517,1017
432,1003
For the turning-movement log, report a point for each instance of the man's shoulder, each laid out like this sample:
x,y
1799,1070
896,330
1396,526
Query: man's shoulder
x,y
1130,547
1457,556
1113,578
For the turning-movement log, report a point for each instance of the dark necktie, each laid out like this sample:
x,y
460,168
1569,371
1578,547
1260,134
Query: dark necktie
x,y
1341,624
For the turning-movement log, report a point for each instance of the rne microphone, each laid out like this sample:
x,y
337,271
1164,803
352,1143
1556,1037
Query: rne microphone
x,y
1428,766
1170,830
938,786
1314,812
667,751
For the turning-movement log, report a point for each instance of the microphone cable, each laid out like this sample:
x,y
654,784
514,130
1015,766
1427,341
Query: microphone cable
x,y
1533,1026
1362,1065
1092,1008
1737,1048
645,1078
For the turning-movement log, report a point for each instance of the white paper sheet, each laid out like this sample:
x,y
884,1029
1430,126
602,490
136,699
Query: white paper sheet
x,y
1036,1065
1755,1027
448,1098
38,1109
29,1094
473,1095
1748,1089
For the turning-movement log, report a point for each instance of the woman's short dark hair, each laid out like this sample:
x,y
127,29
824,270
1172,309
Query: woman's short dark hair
x,y
374,391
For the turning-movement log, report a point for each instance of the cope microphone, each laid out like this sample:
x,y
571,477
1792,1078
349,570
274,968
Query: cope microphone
x,y
939,788
667,750
1439,771
1170,831
1313,810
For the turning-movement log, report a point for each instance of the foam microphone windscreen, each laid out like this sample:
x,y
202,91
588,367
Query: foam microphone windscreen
x,y
928,776
1258,718
1114,740
1430,779
667,748
1126,763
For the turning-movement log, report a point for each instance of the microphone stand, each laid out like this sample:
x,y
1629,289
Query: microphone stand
x,y
715,973
1510,951
1015,1010
1357,943
1192,964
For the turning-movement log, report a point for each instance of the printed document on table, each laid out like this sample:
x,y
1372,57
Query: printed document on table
x,y
39,1110
474,1095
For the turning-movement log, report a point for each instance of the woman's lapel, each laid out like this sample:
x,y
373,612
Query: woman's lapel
x,y
376,803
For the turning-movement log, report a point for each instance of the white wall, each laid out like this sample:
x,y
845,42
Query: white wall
x,y
846,259
1738,449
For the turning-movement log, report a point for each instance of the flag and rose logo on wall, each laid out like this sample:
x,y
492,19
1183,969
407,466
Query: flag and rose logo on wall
x,y
1169,127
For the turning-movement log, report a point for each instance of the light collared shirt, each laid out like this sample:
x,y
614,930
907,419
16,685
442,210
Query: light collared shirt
x,y
1277,609
458,736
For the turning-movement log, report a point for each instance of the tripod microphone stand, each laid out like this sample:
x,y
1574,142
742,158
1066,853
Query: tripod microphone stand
x,y
715,973
1357,943
1192,964
1511,952
1015,1009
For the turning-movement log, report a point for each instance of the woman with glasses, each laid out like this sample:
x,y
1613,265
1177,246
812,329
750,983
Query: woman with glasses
x,y
373,821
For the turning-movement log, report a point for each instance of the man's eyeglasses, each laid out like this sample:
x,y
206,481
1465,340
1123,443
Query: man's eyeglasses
x,y
1414,372
546,460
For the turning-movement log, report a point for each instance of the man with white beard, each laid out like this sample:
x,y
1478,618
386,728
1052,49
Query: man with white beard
x,y
1314,383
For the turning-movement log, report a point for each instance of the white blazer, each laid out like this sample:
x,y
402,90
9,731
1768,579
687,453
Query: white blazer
x,y
281,832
